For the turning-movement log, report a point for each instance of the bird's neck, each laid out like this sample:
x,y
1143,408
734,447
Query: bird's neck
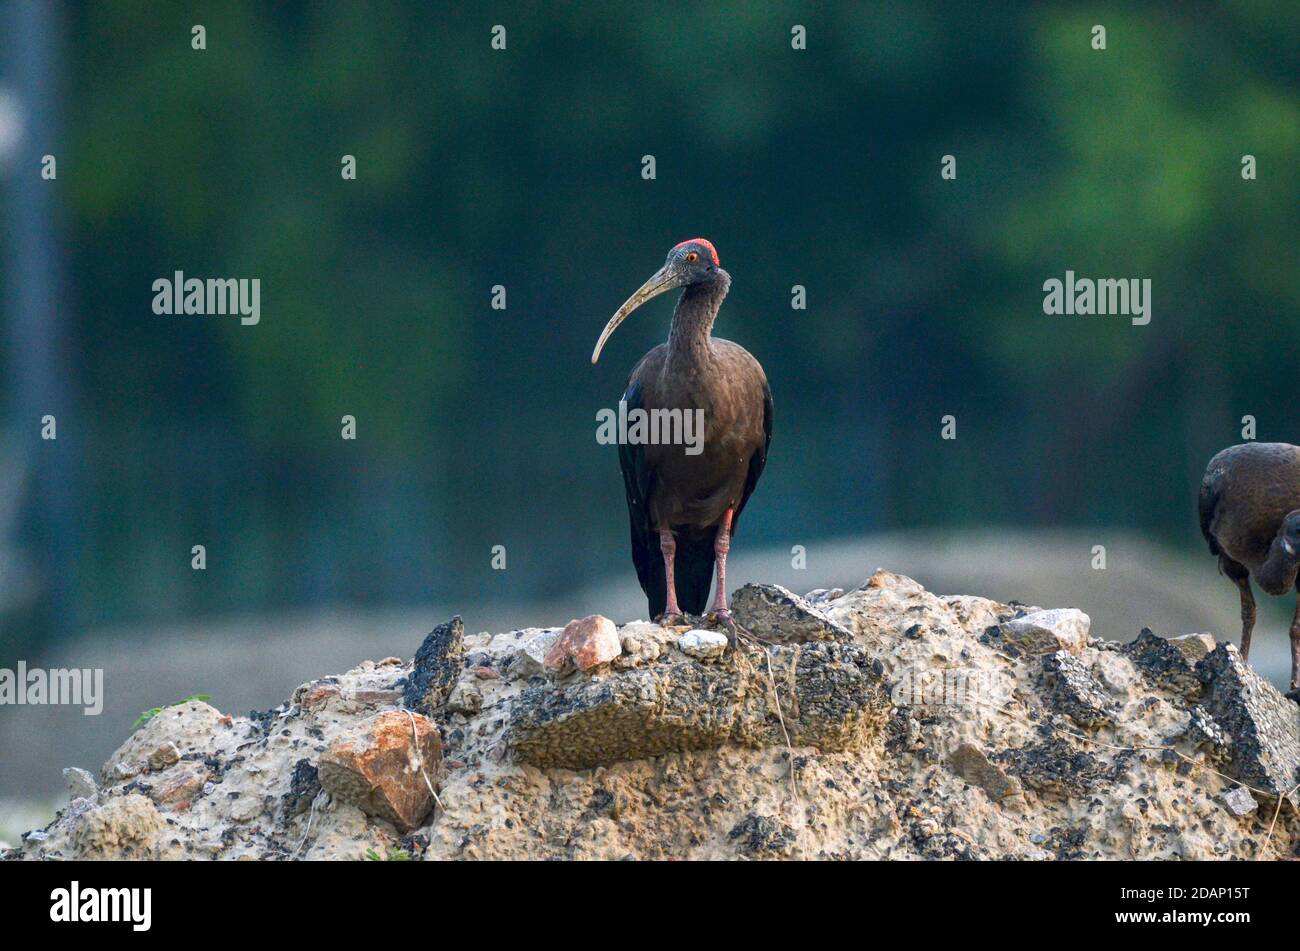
x,y
697,308
1277,573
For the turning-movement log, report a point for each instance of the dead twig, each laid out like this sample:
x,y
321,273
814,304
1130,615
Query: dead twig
x,y
417,760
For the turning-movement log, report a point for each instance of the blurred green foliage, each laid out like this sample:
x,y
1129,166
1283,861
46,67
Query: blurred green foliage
x,y
522,168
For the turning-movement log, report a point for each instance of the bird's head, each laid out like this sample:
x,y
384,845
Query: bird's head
x,y
691,262
1291,533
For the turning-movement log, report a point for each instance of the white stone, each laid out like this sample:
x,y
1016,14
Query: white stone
x,y
822,595
80,783
1046,632
529,656
1239,801
702,644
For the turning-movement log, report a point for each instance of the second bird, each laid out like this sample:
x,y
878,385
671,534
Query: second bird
x,y
684,508
1250,516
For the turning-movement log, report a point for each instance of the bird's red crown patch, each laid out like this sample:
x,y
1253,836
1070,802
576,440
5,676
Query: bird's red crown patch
x,y
704,243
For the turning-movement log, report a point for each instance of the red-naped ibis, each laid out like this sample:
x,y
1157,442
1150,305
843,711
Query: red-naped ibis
x,y
683,506
1250,515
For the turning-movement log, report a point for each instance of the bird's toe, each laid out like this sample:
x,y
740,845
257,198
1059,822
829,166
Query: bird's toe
x,y
724,620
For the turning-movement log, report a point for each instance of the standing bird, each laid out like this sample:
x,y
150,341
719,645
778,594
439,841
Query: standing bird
x,y
683,507
1250,515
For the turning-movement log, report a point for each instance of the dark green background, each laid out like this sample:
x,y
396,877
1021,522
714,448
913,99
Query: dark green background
x,y
522,168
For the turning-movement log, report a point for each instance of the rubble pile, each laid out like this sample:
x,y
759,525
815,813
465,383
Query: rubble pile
x,y
882,722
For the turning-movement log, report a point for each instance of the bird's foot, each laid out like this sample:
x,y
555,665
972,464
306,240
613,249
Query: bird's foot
x,y
673,620
728,623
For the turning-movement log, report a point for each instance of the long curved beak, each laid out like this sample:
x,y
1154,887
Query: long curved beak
x,y
663,280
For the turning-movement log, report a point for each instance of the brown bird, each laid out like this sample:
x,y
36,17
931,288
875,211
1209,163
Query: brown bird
x,y
1250,515
684,501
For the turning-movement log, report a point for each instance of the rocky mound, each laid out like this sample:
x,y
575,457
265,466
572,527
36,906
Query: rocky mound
x,y
885,722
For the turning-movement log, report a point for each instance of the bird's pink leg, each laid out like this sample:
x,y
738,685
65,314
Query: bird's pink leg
x,y
722,545
1247,614
668,545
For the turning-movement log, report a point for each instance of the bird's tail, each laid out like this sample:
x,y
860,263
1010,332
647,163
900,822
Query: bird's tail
x,y
1206,503
692,571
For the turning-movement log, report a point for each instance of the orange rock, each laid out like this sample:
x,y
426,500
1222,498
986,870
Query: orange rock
x,y
179,785
377,767
589,642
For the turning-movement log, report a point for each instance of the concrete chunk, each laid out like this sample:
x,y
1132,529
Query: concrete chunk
x,y
81,784
1169,662
1046,632
124,827
437,667
381,767
837,703
1075,692
189,726
1263,724
779,615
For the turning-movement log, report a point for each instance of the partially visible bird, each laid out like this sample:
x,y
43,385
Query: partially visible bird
x,y
684,508
1250,516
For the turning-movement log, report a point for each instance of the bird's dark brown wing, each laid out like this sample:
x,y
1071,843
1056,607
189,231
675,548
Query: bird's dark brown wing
x,y
1207,503
759,459
638,480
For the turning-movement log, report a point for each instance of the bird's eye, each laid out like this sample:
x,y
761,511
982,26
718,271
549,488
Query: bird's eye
x,y
691,257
